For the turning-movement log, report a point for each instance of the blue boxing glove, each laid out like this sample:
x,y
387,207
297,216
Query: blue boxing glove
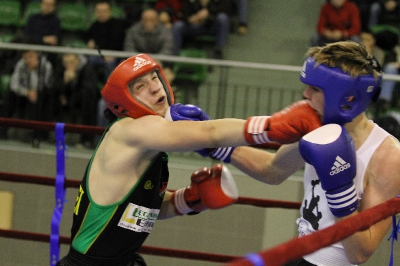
x,y
330,149
177,112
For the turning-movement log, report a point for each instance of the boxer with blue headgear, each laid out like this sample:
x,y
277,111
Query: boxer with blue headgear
x,y
346,96
345,161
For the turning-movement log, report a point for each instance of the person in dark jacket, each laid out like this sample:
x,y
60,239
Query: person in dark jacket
x,y
106,33
76,91
208,17
29,93
44,27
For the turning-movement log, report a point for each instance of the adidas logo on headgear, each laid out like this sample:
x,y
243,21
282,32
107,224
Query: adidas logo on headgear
x,y
140,62
339,165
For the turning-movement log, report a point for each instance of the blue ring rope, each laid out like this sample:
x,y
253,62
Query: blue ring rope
x,y
59,194
393,237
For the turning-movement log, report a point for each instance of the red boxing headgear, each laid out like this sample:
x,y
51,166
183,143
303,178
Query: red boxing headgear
x,y
116,92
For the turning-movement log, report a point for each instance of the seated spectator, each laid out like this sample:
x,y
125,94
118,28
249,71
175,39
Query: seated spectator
x,y
169,11
30,92
209,17
368,40
133,9
338,20
149,35
76,93
44,27
242,11
385,22
364,7
388,86
106,33
385,12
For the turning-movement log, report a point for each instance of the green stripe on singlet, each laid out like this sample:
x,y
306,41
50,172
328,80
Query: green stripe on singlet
x,y
96,219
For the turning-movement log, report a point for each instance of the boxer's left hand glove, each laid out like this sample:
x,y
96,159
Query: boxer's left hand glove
x,y
330,149
177,112
210,188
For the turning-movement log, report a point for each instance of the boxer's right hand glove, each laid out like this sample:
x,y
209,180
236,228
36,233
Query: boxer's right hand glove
x,y
286,126
210,188
177,112
330,149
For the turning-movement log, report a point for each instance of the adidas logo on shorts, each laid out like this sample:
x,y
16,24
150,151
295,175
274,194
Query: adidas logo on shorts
x,y
338,166
140,62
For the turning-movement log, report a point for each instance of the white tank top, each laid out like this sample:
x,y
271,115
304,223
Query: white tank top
x,y
315,213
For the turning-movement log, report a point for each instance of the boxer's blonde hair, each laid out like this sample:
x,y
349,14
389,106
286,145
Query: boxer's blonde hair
x,y
350,56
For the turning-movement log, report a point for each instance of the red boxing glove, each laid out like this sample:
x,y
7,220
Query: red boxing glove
x,y
286,126
211,188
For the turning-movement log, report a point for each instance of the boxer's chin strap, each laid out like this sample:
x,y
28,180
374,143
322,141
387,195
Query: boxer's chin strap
x,y
59,193
393,236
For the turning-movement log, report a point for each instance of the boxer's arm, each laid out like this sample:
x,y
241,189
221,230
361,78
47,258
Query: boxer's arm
x,y
167,209
270,167
383,175
156,133
210,188
179,112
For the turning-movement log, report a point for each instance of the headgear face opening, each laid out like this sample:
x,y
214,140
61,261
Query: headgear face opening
x,y
116,92
345,97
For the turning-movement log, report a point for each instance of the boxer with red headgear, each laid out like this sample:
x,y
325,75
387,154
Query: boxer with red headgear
x,y
123,191
116,92
347,167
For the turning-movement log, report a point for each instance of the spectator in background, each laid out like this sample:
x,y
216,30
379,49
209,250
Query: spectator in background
x,y
207,17
338,20
150,36
106,33
385,12
44,27
169,11
385,22
76,93
364,7
242,11
368,40
30,92
388,86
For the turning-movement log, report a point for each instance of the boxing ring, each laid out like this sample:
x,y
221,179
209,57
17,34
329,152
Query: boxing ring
x,y
275,256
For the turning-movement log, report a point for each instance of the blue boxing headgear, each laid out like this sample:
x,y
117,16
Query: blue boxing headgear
x,y
345,97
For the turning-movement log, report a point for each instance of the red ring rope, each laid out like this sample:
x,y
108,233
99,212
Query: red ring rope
x,y
304,245
50,181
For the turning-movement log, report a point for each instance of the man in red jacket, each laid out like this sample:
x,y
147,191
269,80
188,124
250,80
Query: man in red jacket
x,y
339,20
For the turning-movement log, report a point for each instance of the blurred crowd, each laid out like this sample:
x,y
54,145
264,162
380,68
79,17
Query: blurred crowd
x,y
56,87
61,87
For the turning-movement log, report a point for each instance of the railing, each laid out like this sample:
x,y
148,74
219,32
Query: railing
x,y
222,94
